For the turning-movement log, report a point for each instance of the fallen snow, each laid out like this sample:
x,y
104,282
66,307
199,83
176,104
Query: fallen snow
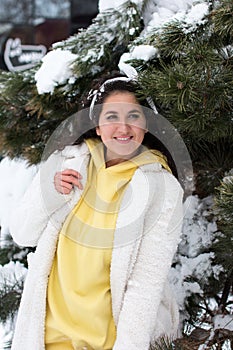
x,y
188,12
125,67
15,175
55,70
140,52
143,52
198,234
11,273
223,322
105,5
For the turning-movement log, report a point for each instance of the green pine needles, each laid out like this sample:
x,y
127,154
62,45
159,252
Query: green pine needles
x,y
10,296
224,203
164,344
99,46
27,119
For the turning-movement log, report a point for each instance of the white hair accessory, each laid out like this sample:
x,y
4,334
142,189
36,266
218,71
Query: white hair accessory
x,y
131,72
97,93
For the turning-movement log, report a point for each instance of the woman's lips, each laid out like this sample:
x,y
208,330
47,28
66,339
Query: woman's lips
x,y
122,139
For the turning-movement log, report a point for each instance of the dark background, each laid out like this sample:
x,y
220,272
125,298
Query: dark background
x,y
47,30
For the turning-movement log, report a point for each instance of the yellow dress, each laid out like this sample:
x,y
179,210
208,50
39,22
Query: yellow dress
x,y
79,312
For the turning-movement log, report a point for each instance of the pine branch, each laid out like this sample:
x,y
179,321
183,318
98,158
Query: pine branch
x,y
28,119
9,251
10,296
223,19
194,93
7,345
102,43
211,161
223,247
224,200
171,40
164,343
226,291
146,4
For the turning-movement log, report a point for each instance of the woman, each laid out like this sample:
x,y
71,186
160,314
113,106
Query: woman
x,y
106,233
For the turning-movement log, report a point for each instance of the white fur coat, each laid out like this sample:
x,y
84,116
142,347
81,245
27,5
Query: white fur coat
x,y
146,236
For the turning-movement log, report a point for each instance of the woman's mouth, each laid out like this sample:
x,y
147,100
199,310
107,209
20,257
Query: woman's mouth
x,y
124,139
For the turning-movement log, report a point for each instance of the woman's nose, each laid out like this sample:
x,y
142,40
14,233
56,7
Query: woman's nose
x,y
123,127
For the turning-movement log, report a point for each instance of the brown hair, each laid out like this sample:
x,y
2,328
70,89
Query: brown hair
x,y
103,89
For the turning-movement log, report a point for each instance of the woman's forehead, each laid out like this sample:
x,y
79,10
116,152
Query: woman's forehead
x,y
123,97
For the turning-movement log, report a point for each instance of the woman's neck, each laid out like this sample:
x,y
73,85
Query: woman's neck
x,y
115,161
111,159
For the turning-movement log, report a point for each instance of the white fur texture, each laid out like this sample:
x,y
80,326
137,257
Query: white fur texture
x,y
147,233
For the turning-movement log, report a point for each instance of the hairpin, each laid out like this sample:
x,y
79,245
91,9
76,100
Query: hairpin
x,y
97,93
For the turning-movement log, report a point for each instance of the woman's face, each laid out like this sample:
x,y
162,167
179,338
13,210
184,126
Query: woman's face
x,y
122,126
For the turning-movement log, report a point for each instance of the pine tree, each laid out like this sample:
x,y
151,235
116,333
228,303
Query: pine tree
x,y
191,82
223,247
10,291
27,118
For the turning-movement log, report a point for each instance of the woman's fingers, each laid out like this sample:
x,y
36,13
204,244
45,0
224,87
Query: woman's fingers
x,y
71,180
71,172
65,180
63,189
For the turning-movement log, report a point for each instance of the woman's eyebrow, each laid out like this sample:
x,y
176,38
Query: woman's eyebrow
x,y
111,112
131,111
135,111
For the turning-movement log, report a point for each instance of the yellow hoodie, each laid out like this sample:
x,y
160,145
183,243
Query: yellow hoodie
x,y
79,312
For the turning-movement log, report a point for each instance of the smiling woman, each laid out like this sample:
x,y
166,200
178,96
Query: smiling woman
x,y
98,278
122,126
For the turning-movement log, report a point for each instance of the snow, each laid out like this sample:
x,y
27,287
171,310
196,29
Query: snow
x,y
51,75
92,55
159,12
15,175
11,273
188,12
55,70
125,67
5,335
143,52
228,178
223,322
196,14
197,235
196,214
105,5
140,52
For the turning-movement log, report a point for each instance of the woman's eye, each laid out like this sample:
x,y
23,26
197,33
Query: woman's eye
x,y
111,117
134,116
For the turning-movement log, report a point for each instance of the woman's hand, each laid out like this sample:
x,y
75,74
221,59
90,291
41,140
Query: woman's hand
x,y
65,180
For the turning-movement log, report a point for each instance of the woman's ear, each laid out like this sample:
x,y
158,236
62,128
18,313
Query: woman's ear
x,y
97,129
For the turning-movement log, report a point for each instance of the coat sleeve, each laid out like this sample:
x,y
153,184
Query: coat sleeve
x,y
31,215
145,287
